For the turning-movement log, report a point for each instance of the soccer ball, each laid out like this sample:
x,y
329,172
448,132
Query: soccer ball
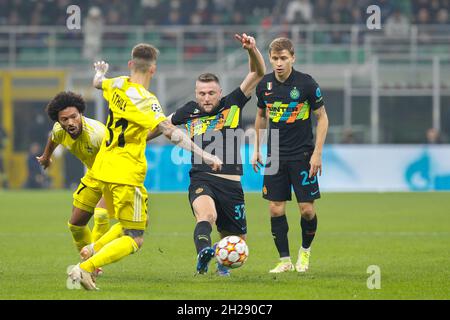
x,y
231,252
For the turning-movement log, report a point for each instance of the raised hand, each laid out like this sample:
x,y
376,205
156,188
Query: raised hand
x,y
101,67
247,42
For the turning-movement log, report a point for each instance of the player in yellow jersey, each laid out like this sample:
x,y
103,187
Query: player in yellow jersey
x,y
82,137
121,164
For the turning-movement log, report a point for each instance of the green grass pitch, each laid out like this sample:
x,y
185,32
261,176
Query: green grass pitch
x,y
407,235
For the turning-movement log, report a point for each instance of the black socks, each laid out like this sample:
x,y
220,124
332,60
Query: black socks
x,y
280,230
308,231
202,235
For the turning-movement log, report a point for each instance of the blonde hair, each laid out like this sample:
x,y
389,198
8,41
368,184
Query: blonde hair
x,y
280,44
208,77
143,56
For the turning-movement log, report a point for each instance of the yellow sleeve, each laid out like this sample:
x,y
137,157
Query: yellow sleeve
x,y
57,133
153,114
107,88
156,113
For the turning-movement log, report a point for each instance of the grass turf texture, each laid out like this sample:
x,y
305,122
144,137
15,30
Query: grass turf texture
x,y
405,234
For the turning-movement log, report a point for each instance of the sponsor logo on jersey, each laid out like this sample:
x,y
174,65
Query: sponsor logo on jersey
x,y
228,118
289,113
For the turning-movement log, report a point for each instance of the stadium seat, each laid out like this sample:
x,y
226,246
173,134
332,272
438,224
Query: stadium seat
x,y
116,55
361,56
32,56
68,56
169,56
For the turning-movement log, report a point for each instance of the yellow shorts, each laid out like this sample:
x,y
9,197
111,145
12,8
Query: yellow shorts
x,y
88,193
129,202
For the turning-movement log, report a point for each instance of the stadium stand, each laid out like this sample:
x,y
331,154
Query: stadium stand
x,y
110,31
217,12
407,61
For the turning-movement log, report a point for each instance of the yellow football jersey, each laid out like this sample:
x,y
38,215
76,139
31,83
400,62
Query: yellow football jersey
x,y
87,145
133,111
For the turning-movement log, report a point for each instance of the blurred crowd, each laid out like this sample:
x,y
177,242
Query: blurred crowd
x,y
220,12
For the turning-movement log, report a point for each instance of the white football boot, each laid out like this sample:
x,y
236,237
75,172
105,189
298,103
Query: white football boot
x,y
78,278
302,264
284,265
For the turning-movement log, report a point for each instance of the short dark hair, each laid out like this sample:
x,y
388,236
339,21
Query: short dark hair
x,y
63,100
144,55
280,44
208,77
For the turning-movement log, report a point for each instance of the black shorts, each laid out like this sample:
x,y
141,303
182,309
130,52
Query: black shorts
x,y
228,197
292,175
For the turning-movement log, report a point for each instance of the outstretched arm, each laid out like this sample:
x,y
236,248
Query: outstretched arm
x,y
155,133
178,137
256,64
100,67
45,159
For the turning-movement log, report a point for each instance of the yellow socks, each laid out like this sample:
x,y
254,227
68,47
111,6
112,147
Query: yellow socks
x,y
111,252
81,235
113,233
101,223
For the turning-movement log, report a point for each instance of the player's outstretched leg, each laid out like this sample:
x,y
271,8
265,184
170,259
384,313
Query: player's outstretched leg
x,y
89,250
113,252
116,231
202,240
128,243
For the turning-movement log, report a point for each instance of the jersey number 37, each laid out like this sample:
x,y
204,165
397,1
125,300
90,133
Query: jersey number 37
x,y
123,123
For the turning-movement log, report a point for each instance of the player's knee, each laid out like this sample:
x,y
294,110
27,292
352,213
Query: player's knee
x,y
207,217
78,221
79,217
277,209
307,210
137,235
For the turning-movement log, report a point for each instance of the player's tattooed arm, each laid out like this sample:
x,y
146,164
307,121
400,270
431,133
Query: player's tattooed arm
x,y
256,64
45,159
155,133
321,133
100,67
178,137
